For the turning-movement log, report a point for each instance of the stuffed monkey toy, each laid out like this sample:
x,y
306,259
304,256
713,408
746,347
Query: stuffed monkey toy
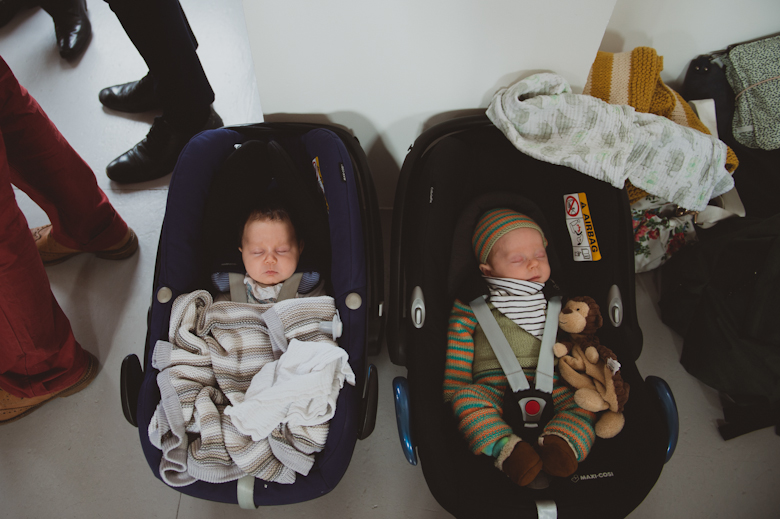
x,y
590,367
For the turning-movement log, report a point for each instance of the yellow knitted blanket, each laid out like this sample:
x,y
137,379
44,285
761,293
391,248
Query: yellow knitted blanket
x,y
634,79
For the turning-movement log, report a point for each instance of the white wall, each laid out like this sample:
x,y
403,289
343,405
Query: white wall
x,y
680,30
386,68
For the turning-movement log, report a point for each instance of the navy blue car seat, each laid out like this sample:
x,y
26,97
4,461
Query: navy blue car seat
x,y
324,176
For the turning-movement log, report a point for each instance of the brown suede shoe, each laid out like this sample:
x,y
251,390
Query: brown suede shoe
x,y
53,253
519,461
558,457
13,407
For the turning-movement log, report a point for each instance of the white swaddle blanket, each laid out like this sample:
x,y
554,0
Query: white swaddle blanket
x,y
543,119
299,389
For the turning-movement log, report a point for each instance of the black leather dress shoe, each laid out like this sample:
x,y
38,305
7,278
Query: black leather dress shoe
x,y
71,25
133,97
10,8
156,155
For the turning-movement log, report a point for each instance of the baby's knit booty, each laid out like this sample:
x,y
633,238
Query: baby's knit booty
x,y
519,461
558,457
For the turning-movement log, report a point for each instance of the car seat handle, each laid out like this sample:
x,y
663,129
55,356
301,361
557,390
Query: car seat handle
x,y
615,306
334,328
418,307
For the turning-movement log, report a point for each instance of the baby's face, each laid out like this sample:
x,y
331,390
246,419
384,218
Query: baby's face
x,y
519,254
270,250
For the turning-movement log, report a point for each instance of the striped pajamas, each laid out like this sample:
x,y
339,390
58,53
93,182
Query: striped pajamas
x,y
477,399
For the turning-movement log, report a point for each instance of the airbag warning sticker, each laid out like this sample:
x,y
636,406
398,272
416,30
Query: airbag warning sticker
x,y
580,225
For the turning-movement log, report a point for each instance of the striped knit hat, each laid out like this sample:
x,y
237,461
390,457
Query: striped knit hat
x,y
496,223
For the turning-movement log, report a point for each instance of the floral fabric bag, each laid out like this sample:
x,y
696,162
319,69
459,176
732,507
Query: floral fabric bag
x,y
659,232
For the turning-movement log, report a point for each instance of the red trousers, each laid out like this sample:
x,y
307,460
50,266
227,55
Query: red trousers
x,y
38,352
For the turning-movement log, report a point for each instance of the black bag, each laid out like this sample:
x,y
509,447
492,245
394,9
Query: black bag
x,y
757,177
719,293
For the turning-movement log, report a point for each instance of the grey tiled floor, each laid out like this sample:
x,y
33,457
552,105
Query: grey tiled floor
x,y
77,457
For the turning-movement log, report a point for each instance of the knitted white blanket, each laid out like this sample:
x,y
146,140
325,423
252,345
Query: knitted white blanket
x,y
213,353
543,119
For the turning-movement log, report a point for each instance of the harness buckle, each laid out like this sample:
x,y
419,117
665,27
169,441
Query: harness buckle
x,y
527,411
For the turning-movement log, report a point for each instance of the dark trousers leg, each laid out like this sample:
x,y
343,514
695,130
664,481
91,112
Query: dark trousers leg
x,y
162,35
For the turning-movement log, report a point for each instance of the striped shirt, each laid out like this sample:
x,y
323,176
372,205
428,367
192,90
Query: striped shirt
x,y
521,301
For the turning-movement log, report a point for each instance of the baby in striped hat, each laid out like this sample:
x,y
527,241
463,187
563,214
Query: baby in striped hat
x,y
509,244
512,253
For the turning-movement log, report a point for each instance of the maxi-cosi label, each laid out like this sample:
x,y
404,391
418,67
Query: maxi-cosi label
x,y
580,225
576,478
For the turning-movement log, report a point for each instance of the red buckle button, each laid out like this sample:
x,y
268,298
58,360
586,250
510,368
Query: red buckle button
x,y
532,408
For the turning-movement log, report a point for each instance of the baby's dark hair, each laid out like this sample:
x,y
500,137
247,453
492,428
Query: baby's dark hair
x,y
273,211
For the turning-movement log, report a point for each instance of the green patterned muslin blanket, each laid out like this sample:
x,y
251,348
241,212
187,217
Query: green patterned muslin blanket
x,y
613,143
